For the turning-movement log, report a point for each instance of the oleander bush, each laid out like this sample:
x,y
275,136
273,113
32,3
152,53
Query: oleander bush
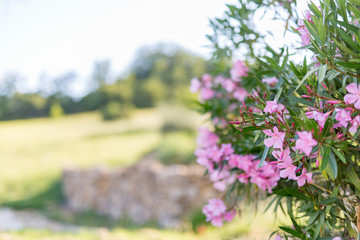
x,y
285,127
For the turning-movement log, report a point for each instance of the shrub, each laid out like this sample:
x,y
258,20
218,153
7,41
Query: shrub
x,y
115,110
294,128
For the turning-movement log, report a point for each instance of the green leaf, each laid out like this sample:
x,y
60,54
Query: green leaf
x,y
322,71
333,164
355,1
292,232
325,159
266,150
306,76
348,26
353,177
339,154
349,64
293,193
312,218
312,31
328,201
348,39
278,94
345,49
329,123
300,100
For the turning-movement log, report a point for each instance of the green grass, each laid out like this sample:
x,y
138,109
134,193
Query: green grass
x,y
33,152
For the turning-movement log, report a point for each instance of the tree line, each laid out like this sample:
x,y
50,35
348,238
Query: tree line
x,y
158,73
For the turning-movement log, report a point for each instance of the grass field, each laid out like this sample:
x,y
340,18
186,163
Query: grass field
x,y
33,153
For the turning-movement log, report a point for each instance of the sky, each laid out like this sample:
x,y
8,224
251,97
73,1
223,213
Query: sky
x,y
52,37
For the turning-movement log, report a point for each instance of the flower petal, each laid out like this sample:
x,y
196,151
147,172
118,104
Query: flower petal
x,y
352,88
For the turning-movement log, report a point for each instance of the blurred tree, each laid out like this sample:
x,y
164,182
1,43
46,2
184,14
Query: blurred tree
x,y
162,71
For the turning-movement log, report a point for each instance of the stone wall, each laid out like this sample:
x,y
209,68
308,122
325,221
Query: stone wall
x,y
147,191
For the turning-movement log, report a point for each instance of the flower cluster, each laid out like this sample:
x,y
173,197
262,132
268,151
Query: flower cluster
x,y
220,86
215,211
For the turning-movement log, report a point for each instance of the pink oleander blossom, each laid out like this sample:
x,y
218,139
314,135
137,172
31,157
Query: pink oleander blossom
x,y
207,93
305,142
271,106
207,80
206,163
215,212
227,149
282,155
206,138
343,116
241,162
304,177
215,153
276,139
271,81
239,70
240,94
288,171
265,177
353,97
195,85
222,184
355,124
318,116
228,85
304,32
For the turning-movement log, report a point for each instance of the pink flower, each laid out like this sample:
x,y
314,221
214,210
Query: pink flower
x,y
278,237
215,207
318,116
271,106
305,142
239,70
276,138
337,238
355,124
195,85
240,94
228,85
229,215
227,149
206,138
304,32
215,153
207,80
206,163
343,116
215,211
207,93
271,81
305,36
283,155
304,177
353,96
241,162
288,171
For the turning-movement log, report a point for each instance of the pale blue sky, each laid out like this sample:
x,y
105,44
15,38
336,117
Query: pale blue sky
x,y
53,37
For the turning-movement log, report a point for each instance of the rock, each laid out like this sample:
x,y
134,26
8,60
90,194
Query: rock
x,y
147,191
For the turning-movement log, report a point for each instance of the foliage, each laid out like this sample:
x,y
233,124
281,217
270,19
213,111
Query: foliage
x,y
294,127
115,110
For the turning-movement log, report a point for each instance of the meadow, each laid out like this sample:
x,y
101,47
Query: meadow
x,y
34,152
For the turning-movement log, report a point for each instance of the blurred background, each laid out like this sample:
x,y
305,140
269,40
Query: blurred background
x,y
100,84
